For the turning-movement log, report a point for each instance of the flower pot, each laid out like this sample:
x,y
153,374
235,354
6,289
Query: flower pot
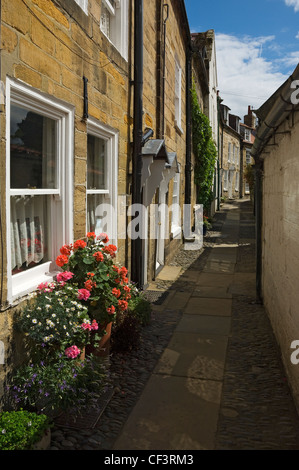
x,y
103,347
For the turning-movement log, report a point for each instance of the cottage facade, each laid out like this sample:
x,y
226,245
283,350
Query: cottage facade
x,y
95,117
229,152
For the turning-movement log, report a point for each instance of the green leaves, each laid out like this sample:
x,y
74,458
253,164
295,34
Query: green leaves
x,y
205,152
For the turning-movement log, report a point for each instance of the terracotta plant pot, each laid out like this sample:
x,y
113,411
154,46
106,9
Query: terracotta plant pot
x,y
103,347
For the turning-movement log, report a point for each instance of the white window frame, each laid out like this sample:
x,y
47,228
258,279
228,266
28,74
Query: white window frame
x,y
248,157
118,25
247,189
225,180
83,4
110,135
175,207
21,94
178,97
247,135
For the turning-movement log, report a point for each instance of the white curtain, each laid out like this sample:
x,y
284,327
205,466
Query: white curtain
x,y
97,213
28,219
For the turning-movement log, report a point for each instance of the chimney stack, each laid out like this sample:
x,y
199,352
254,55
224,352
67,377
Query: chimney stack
x,y
250,119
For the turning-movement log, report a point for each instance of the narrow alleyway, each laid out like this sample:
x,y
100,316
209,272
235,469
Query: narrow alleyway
x,y
208,374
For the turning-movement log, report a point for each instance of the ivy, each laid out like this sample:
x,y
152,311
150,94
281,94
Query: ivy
x,y
205,153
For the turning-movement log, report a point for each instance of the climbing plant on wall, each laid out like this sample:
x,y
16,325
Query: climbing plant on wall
x,y
205,152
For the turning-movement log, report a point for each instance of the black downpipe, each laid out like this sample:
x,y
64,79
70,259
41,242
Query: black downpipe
x,y
188,165
136,244
166,7
258,225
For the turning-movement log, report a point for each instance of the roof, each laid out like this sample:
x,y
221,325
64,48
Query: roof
x,y
274,112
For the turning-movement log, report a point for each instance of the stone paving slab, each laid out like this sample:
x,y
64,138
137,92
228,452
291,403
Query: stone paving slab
x,y
215,266
215,279
209,306
194,356
212,292
165,417
179,300
169,273
204,324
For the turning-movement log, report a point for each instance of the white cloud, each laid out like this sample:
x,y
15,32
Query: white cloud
x,y
297,37
293,3
245,76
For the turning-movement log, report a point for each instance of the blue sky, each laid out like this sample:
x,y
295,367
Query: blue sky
x,y
257,46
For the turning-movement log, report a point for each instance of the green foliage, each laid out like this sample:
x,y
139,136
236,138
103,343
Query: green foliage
x,y
20,430
60,383
54,317
140,307
205,153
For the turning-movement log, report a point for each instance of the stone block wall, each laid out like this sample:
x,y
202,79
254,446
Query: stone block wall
x,y
280,236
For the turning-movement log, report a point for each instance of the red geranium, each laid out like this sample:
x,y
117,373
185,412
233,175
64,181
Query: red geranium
x,y
61,260
98,256
79,244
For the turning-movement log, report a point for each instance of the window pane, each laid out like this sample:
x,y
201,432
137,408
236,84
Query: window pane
x,y
33,155
98,213
30,229
96,163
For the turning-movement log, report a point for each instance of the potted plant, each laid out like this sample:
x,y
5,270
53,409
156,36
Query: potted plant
x,y
56,376
101,283
206,224
58,384
24,430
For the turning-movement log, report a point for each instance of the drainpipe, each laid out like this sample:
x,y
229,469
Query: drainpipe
x,y
136,245
1,222
258,224
166,8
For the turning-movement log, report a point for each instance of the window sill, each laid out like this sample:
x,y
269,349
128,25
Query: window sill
x,y
26,282
175,232
178,128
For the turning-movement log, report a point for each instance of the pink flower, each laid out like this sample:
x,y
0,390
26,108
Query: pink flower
x,y
88,326
42,285
103,237
63,277
83,294
72,352
45,287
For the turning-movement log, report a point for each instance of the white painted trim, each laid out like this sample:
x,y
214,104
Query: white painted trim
x,y
83,4
21,94
110,134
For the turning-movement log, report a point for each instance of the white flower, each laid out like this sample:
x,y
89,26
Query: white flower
x,y
34,320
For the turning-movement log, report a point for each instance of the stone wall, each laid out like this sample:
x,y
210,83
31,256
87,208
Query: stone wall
x,y
280,244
